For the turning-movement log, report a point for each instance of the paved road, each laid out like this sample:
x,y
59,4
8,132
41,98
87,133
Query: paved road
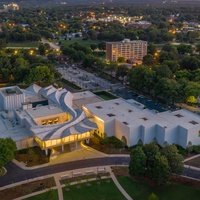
x,y
16,174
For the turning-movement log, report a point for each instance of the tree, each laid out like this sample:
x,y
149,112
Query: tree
x,y
184,49
2,43
190,63
163,71
138,162
41,49
192,89
198,47
152,49
148,60
153,196
167,89
40,74
93,46
150,150
121,60
175,160
142,78
191,99
160,171
7,150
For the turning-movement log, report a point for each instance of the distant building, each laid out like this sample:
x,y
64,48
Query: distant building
x,y
131,51
11,6
140,25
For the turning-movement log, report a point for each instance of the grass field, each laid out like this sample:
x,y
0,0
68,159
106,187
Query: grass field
x,y
80,41
105,95
50,195
97,190
141,191
23,44
70,84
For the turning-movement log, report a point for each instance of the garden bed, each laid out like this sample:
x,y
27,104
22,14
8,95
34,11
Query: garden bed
x,y
108,145
32,156
27,188
105,95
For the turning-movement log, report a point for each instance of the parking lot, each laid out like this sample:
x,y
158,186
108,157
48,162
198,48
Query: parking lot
x,y
84,79
89,81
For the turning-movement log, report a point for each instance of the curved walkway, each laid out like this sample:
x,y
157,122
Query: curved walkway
x,y
120,188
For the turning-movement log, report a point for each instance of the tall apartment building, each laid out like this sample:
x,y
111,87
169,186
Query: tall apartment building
x,y
132,51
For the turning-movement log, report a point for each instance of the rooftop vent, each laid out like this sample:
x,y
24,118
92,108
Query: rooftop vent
x,y
98,107
144,118
194,122
110,115
178,115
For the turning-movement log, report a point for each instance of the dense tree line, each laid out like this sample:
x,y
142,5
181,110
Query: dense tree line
x,y
23,67
174,77
156,163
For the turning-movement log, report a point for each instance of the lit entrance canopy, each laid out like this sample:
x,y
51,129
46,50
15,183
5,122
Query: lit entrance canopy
x,y
80,131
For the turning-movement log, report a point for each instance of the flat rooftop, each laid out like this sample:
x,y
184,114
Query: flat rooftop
x,y
10,129
127,41
15,90
44,111
132,113
82,98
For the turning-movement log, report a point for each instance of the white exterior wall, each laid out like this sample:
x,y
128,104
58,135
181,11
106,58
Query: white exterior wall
x,y
171,135
1,102
14,101
109,128
160,134
135,134
194,136
182,135
121,130
149,134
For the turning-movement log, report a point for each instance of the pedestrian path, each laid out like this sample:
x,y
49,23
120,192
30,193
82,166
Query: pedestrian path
x,y
59,187
120,188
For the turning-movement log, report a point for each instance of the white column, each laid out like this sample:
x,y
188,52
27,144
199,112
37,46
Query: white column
x,y
46,152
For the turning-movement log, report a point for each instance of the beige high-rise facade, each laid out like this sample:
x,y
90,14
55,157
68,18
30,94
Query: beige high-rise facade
x,y
132,51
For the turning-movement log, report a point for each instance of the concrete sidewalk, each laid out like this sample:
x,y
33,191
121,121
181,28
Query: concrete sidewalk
x,y
120,188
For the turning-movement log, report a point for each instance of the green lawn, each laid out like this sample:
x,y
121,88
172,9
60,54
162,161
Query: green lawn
x,y
50,195
141,191
105,95
23,44
70,84
80,41
103,191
